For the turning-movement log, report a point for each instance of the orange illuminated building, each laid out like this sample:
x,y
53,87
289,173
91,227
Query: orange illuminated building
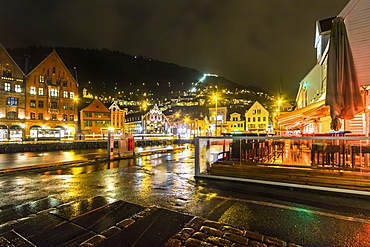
x,y
95,119
51,100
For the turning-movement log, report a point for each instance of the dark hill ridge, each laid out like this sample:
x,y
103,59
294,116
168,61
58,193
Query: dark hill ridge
x,y
107,72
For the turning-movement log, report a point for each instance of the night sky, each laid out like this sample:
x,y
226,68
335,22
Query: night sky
x,y
251,42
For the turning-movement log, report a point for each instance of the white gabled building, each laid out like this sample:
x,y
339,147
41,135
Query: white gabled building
x,y
311,114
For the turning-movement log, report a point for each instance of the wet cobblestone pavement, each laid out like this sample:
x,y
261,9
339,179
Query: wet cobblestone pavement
x,y
102,221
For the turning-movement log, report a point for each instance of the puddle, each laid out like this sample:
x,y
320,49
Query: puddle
x,y
91,168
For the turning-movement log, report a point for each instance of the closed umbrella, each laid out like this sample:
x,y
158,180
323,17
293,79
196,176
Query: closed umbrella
x,y
343,93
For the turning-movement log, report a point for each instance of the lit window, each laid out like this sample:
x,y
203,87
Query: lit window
x,y
33,115
53,92
12,101
33,103
65,106
65,94
32,90
42,79
17,88
71,95
41,91
7,87
72,106
71,117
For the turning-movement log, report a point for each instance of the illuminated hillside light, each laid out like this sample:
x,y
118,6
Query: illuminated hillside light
x,y
205,76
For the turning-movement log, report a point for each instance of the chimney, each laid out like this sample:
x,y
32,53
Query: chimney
x,y
26,63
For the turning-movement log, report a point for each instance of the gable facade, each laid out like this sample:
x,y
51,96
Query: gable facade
x,y
12,98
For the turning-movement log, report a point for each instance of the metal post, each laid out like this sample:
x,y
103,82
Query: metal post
x,y
110,146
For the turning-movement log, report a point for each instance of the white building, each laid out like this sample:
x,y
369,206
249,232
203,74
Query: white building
x,y
312,115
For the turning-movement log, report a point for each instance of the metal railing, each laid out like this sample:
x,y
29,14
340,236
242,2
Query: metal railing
x,y
301,160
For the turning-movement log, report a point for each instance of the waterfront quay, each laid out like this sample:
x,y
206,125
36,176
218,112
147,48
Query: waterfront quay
x,y
42,146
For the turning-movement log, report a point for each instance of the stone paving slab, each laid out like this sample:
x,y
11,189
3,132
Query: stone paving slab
x,y
33,225
152,230
21,211
103,218
72,210
101,221
11,238
65,234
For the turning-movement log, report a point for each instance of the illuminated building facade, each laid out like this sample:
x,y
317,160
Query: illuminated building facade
x,y
95,119
155,122
51,100
257,118
12,98
117,117
312,116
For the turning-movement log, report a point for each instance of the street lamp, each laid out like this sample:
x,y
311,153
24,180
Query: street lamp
x,y
215,98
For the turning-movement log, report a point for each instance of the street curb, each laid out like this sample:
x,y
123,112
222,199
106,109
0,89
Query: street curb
x,y
97,160
23,168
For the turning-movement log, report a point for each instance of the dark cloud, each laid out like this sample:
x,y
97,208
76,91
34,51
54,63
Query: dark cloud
x,y
247,41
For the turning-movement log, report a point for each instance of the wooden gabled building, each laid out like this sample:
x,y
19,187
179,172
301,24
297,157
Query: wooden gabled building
x,y
312,115
51,99
12,98
95,119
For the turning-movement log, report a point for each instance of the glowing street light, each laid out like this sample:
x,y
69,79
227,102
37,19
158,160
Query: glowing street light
x,y
216,99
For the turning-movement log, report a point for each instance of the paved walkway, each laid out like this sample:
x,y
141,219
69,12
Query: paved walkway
x,y
101,221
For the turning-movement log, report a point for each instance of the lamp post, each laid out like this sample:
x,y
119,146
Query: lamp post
x,y
215,98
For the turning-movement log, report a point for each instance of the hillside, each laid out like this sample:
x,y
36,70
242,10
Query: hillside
x,y
106,72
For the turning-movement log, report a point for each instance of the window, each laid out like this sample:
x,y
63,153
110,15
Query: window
x,y
42,79
257,111
48,80
40,116
33,116
32,103
65,83
71,95
72,106
7,73
7,87
65,94
264,118
254,119
259,119
54,105
41,91
65,117
40,104
88,114
32,90
71,117
12,101
65,106
12,115
249,119
102,123
53,92
88,123
17,88
53,116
